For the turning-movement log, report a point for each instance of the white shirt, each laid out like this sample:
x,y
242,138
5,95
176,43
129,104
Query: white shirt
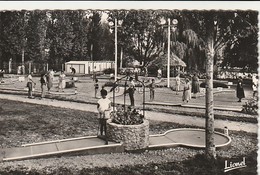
x,y
132,84
104,104
178,80
30,78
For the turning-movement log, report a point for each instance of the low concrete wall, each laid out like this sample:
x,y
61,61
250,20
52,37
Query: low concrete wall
x,y
133,137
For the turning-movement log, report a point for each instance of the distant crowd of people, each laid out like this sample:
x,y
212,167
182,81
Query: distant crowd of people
x,y
46,82
190,85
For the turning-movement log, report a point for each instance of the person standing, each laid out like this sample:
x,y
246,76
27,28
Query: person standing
x,y
103,90
186,91
131,91
103,107
115,86
152,89
136,73
94,73
240,89
43,85
177,83
96,86
49,79
62,82
159,73
73,70
195,86
30,83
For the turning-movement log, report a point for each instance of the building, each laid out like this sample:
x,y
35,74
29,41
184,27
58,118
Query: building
x,y
87,67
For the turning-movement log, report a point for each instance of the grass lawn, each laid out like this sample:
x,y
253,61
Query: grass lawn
x,y
23,123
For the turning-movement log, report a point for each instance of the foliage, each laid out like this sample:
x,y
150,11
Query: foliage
x,y
36,36
126,115
215,84
83,35
80,29
251,107
109,71
12,35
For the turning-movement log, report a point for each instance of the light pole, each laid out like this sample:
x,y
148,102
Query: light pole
x,y
174,26
115,25
23,67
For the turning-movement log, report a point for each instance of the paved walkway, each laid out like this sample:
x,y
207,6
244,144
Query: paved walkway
x,y
152,115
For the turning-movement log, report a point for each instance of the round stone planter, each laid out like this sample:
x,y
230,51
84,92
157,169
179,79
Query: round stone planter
x,y
133,137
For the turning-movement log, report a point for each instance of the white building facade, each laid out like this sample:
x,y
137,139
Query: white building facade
x,y
88,67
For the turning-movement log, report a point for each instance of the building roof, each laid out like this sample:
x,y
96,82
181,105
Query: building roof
x,y
174,60
85,62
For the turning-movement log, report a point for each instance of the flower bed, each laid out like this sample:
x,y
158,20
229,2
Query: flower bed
x,y
133,137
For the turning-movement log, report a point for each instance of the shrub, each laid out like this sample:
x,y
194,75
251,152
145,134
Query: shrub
x,y
109,83
251,107
109,71
126,115
215,85
70,84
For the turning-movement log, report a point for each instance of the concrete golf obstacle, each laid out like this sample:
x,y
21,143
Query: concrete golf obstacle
x,y
184,137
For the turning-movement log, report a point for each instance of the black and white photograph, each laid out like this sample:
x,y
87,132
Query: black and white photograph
x,y
129,88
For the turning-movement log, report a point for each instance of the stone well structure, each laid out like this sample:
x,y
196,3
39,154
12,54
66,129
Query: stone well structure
x,y
133,137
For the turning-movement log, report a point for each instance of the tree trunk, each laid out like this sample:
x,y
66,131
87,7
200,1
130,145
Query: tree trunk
x,y
210,146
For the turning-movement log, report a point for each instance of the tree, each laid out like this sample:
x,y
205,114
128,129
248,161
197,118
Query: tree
x,y
220,29
80,25
242,52
95,35
12,33
36,37
61,36
140,34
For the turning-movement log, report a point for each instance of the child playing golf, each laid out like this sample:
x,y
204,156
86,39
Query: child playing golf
x,y
103,107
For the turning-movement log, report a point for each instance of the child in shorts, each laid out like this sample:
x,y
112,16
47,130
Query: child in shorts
x,y
103,107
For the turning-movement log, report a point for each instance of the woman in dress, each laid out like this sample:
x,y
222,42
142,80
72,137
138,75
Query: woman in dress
x,y
195,85
240,89
62,82
177,83
49,79
186,91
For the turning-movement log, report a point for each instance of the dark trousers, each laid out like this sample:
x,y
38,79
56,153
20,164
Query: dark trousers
x,y
29,85
131,96
103,126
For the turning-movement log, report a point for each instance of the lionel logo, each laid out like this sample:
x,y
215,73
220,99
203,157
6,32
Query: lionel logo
x,y
234,165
